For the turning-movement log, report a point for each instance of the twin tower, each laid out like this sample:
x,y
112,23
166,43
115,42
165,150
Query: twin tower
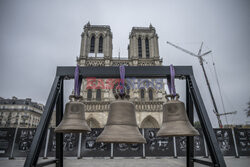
x,y
147,95
97,44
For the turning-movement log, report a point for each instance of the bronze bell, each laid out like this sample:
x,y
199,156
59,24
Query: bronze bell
x,y
175,120
121,125
74,117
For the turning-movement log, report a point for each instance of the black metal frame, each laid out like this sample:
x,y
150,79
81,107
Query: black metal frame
x,y
183,72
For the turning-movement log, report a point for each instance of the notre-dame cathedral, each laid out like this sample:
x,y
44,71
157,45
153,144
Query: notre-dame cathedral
x,y
148,95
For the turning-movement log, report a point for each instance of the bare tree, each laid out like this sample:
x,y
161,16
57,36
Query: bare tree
x,y
248,109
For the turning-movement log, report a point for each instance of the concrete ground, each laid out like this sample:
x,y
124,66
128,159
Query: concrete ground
x,y
126,162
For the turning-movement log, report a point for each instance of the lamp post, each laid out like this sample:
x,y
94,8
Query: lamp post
x,y
18,124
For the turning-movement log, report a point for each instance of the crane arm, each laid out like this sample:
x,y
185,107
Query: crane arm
x,y
227,113
201,63
184,50
206,53
199,53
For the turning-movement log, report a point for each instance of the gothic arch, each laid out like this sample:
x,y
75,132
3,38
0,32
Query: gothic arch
x,y
145,83
93,123
100,46
92,44
139,47
150,93
89,94
100,34
98,94
142,93
149,122
147,47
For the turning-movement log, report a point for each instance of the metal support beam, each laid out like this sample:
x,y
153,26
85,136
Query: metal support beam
x,y
213,146
59,136
36,145
46,163
190,139
131,71
207,163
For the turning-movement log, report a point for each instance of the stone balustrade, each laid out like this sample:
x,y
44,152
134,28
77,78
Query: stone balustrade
x,y
145,106
149,106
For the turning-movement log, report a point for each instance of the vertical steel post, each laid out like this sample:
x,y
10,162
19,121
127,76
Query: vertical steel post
x,y
205,145
14,140
79,146
175,150
235,145
143,146
46,145
190,139
112,151
59,136
13,144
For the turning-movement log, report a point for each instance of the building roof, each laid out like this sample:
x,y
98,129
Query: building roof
x,y
149,28
26,101
88,25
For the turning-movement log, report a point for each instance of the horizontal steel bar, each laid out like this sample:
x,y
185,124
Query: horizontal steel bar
x,y
46,163
131,71
203,162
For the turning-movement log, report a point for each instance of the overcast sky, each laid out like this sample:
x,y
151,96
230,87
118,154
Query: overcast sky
x,y
37,36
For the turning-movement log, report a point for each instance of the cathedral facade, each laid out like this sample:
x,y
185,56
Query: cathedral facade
x,y
147,94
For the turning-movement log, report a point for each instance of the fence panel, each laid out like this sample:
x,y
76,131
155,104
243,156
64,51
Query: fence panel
x,y
225,140
158,146
6,141
23,142
92,149
70,144
243,141
128,150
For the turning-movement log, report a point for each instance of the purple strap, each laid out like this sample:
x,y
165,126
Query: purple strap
x,y
170,80
77,83
122,76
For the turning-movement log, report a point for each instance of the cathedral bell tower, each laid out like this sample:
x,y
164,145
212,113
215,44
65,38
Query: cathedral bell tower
x,y
96,42
143,43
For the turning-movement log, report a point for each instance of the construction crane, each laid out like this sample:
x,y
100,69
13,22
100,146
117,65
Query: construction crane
x,y
201,60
